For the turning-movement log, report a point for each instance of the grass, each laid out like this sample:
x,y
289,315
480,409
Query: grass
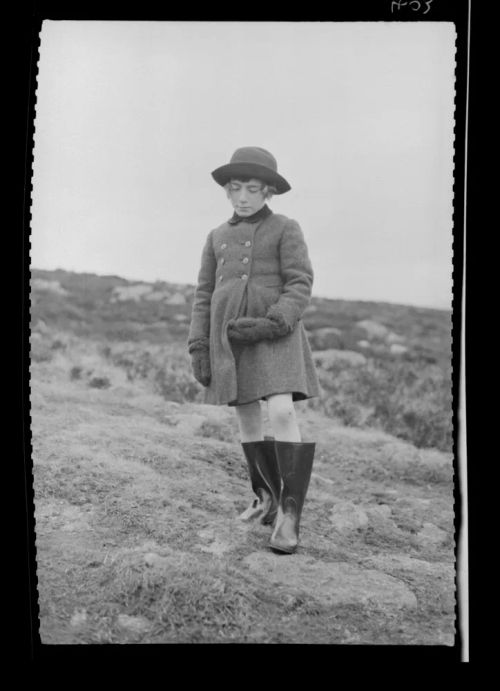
x,y
137,540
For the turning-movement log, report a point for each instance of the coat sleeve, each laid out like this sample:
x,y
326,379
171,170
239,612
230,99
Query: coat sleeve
x,y
199,329
297,275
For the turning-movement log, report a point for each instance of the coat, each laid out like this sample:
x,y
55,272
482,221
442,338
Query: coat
x,y
246,270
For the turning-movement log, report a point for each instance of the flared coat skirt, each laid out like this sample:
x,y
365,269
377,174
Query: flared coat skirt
x,y
282,365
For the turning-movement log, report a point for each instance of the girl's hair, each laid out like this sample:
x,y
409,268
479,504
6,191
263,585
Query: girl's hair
x,y
267,189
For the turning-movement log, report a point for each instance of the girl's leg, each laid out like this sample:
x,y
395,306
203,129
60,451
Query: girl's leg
x,y
283,418
262,467
249,418
295,460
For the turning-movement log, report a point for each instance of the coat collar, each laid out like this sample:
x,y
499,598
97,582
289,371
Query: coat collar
x,y
254,218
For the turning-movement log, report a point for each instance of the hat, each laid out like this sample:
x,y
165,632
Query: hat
x,y
254,162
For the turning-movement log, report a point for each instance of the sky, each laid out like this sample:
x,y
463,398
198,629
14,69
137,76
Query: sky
x,y
131,118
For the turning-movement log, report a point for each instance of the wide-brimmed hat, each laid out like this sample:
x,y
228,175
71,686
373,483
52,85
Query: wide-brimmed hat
x,y
254,162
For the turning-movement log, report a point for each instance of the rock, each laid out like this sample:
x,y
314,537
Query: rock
x,y
397,349
333,583
42,327
322,339
325,358
346,517
373,328
363,344
402,562
217,547
206,534
431,535
413,503
394,338
320,478
153,559
383,527
134,292
79,618
134,624
49,286
212,543
176,299
385,494
381,510
156,296
186,423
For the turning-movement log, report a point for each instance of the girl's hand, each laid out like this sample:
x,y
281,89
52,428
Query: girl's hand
x,y
254,329
200,361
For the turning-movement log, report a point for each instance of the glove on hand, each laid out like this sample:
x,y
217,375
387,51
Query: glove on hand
x,y
253,329
200,362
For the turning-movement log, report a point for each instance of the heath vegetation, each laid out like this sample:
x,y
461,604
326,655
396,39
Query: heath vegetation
x,y
137,484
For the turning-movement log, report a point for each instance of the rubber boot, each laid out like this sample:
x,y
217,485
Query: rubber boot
x,y
265,480
295,461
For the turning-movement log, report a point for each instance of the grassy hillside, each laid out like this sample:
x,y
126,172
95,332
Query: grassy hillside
x,y
100,306
138,485
138,540
380,365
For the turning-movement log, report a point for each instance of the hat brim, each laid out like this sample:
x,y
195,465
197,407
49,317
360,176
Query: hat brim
x,y
224,174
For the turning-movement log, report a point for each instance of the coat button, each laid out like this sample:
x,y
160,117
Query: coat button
x,y
247,243
220,278
245,260
243,277
222,260
223,246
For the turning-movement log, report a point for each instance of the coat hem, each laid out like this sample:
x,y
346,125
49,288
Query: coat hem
x,y
296,396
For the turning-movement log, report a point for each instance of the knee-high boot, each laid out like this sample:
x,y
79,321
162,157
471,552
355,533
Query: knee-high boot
x,y
265,480
295,460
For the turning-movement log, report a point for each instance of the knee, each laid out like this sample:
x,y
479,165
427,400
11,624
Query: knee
x,y
249,414
281,411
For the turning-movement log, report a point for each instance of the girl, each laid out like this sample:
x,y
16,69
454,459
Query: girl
x,y
247,340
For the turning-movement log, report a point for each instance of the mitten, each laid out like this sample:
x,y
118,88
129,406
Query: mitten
x,y
200,362
254,329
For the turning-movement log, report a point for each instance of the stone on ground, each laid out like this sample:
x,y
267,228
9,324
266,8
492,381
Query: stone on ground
x,y
346,517
134,624
431,535
332,583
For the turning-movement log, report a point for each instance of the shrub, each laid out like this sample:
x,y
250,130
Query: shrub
x,y
57,344
215,429
176,385
40,351
167,368
75,373
99,383
411,400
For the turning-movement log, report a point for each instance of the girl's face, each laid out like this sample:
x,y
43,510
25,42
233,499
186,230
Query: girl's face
x,y
246,197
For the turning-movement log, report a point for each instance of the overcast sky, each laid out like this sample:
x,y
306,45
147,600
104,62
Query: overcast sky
x,y
131,117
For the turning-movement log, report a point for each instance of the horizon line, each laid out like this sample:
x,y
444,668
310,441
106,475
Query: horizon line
x,y
314,295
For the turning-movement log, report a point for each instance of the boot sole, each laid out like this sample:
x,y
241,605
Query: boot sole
x,y
284,550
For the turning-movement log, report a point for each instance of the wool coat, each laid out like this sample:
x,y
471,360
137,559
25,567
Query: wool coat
x,y
254,270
